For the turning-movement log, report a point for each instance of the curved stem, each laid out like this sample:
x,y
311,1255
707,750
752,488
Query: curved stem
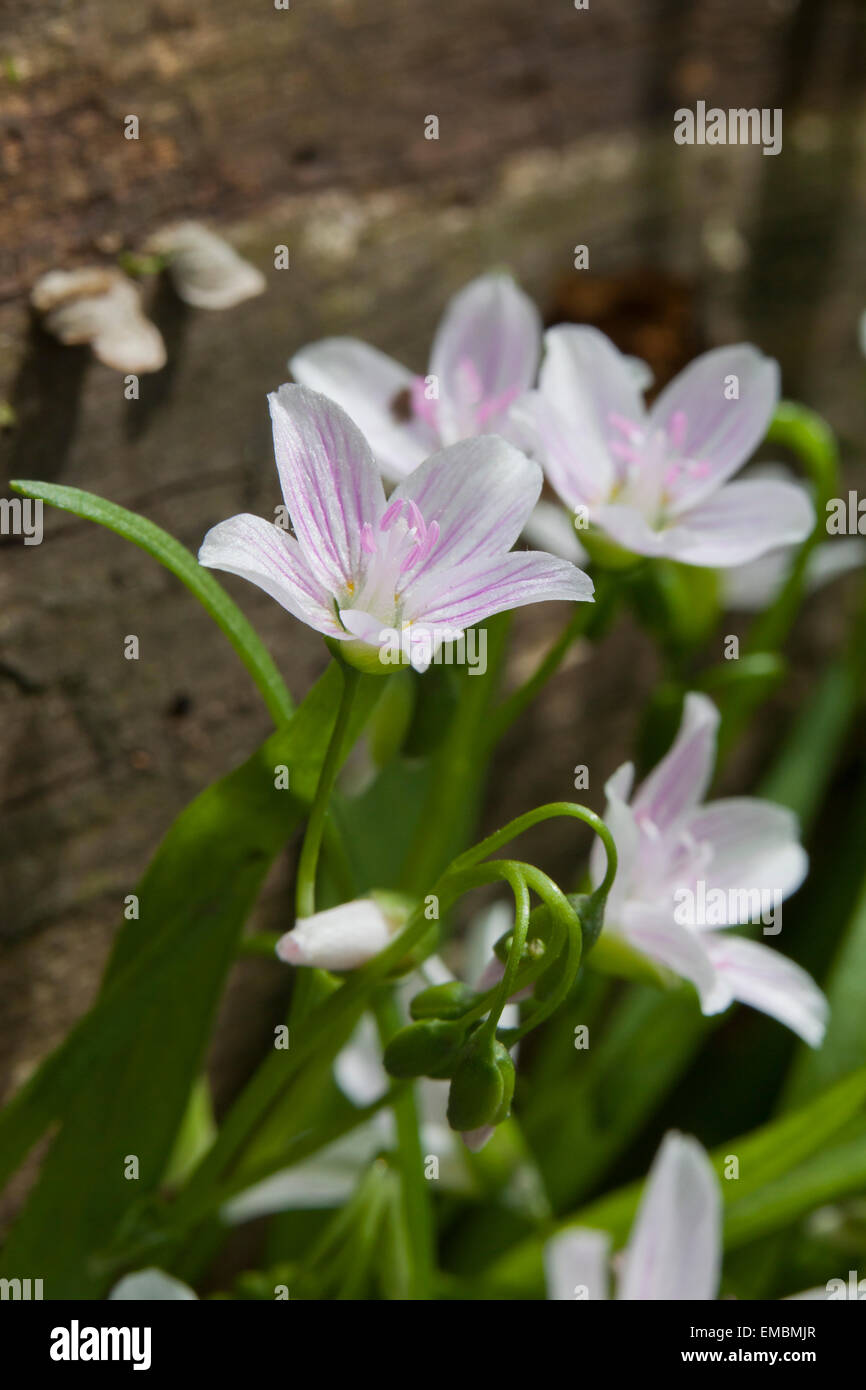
x,y
504,990
305,899
551,811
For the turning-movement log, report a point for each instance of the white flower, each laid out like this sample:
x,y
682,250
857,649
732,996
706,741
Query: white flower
x,y
733,854
674,1250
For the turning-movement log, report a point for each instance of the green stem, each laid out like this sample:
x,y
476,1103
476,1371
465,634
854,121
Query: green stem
x,y
551,811
305,902
416,1208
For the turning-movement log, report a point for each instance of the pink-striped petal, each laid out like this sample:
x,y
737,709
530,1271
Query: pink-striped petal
x,y
263,553
679,782
469,593
485,353
591,384
674,1251
374,390
754,847
712,430
742,521
330,482
480,492
768,981
678,948
575,461
622,826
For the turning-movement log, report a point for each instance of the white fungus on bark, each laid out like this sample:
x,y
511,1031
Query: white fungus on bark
x,y
206,271
101,306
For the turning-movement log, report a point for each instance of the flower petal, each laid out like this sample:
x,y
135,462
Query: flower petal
x,y
674,1251
741,522
714,431
577,1260
768,981
575,459
629,528
263,553
550,528
485,352
370,387
678,948
621,823
469,593
755,847
327,1180
590,381
679,782
480,492
330,482
152,1286
358,1068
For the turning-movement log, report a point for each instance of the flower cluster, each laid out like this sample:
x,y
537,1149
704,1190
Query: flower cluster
x,y
469,445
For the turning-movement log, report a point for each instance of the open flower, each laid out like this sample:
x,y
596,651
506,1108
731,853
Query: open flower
x,y
656,481
687,869
674,1250
378,574
485,353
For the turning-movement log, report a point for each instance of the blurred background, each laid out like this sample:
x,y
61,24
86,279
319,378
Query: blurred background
x,y
306,128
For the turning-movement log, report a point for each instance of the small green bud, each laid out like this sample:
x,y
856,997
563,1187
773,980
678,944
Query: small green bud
x,y
540,924
477,1091
443,1001
422,1049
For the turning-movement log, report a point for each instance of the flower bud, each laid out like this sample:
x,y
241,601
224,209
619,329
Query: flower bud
x,y
448,1001
590,910
342,938
477,1090
423,1049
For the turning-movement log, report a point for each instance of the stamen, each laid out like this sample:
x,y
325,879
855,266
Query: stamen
x,y
647,825
496,404
391,514
629,428
368,545
432,538
698,469
677,427
416,520
628,452
422,407
470,380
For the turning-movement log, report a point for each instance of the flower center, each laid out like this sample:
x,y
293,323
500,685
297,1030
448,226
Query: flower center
x,y
470,408
651,462
393,551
